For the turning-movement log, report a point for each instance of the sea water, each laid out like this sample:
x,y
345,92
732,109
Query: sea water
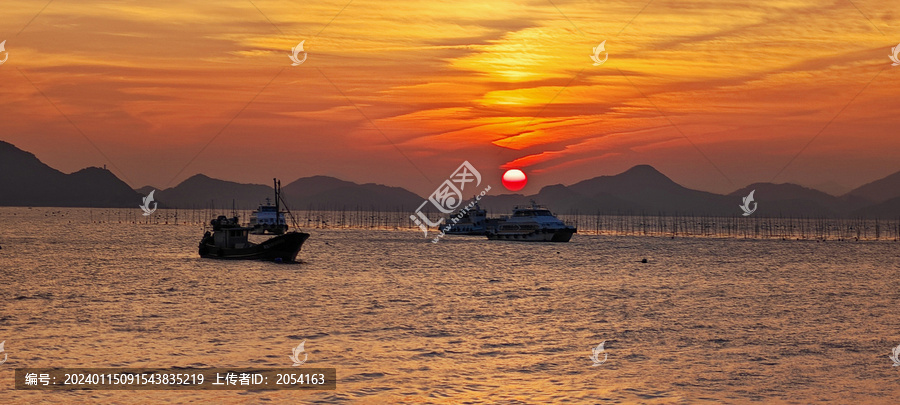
x,y
465,320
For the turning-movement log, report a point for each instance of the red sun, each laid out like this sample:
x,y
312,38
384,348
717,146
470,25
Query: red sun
x,y
514,180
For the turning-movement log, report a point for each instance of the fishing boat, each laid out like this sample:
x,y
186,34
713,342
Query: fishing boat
x,y
230,240
268,218
532,223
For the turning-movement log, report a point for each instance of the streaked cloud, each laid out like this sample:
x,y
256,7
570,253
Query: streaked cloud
x,y
502,84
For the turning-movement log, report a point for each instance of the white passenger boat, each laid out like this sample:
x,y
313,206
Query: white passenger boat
x,y
473,222
268,218
533,223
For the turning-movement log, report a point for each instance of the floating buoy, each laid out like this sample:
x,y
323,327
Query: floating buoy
x,y
644,260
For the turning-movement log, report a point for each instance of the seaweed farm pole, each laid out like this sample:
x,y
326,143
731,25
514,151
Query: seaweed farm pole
x,y
820,230
733,228
643,224
626,223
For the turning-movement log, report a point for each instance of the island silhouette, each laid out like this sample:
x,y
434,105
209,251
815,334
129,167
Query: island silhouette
x,y
642,190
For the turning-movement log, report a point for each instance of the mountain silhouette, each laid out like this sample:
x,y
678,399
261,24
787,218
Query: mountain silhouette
x,y
317,192
889,209
26,181
648,190
644,190
792,200
878,191
323,192
641,190
145,190
201,191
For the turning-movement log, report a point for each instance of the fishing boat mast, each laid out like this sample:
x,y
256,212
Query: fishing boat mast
x,y
279,200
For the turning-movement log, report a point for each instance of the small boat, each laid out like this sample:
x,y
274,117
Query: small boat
x,y
533,223
230,240
268,218
473,222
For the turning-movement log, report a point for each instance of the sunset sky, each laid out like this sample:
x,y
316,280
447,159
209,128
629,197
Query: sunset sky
x,y
715,94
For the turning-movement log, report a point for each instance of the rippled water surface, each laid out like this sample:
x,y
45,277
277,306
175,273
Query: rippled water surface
x,y
465,320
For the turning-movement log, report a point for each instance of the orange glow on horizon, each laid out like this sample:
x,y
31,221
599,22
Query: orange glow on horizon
x,y
501,84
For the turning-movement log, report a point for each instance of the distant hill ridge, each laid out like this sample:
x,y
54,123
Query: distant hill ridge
x,y
26,181
317,192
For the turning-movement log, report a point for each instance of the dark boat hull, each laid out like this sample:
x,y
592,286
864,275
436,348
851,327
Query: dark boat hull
x,y
470,233
283,248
